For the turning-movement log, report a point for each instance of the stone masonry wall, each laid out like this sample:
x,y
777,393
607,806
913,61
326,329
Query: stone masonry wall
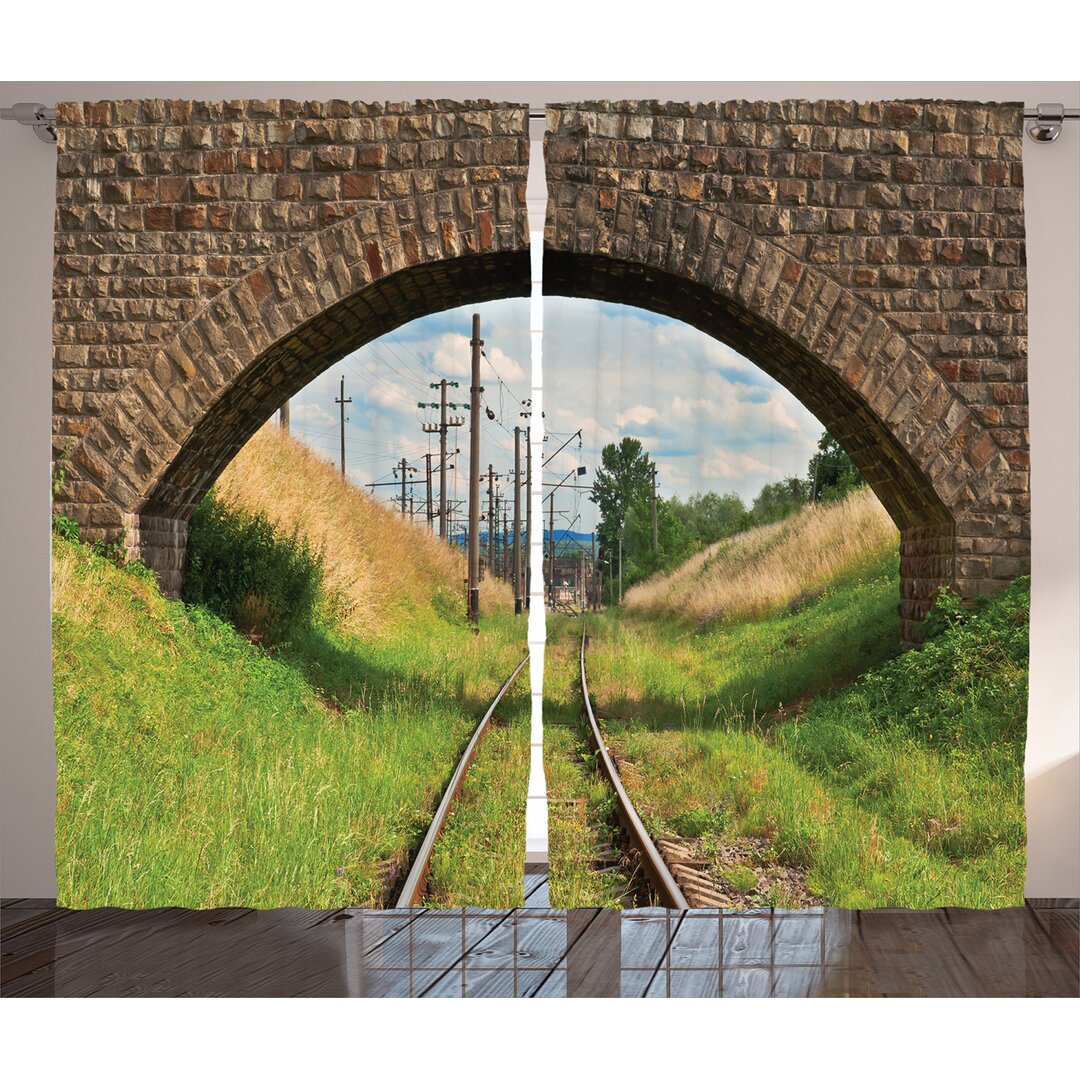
x,y
213,257
881,244
191,235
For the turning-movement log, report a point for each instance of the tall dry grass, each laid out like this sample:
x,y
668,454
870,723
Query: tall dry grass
x,y
764,569
380,569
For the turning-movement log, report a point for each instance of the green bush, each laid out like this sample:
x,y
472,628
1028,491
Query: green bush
x,y
265,584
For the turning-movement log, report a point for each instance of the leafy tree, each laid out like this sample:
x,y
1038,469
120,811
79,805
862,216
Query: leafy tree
x,y
639,560
708,517
624,476
831,473
778,500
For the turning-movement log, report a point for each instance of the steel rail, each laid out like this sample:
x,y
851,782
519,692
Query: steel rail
x,y
652,861
413,890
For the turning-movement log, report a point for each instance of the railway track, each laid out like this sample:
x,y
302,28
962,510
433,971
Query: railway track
x,y
660,877
412,892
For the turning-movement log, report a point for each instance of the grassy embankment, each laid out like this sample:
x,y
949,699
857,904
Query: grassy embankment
x,y
903,787
197,768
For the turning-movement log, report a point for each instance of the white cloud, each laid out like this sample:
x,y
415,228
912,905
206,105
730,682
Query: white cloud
x,y
724,464
780,416
311,414
693,408
672,475
714,420
387,397
636,414
451,356
593,432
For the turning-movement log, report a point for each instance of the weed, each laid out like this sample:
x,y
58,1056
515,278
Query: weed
x,y
66,528
740,878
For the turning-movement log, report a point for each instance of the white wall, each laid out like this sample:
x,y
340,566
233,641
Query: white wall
x,y
27,166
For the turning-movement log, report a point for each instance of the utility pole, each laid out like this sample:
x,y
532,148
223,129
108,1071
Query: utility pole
x,y
342,400
491,519
406,471
551,553
655,537
475,391
528,515
283,417
441,428
442,455
813,490
620,569
430,508
517,520
592,582
507,571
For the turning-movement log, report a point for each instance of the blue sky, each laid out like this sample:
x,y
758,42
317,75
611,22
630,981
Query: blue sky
x,y
710,418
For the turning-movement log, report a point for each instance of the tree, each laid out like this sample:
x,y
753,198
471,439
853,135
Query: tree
x,y
624,475
831,473
639,560
708,517
778,500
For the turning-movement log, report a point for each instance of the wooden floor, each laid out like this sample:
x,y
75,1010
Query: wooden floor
x,y
536,952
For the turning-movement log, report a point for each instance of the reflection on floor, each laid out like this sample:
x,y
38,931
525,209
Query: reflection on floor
x,y
536,952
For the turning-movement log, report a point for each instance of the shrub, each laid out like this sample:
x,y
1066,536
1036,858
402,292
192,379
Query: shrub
x,y
264,583
66,528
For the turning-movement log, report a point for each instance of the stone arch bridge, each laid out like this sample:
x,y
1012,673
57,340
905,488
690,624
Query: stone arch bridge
x,y
213,258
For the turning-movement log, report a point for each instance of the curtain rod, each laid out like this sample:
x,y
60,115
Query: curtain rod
x,y
1046,119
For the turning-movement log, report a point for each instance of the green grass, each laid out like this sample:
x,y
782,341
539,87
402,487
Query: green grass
x,y
668,673
740,878
904,787
933,741
480,856
581,805
197,769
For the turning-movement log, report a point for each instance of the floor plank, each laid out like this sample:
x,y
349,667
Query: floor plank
x,y
472,952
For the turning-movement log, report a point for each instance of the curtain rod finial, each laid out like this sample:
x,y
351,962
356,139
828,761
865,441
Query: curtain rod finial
x,y
35,115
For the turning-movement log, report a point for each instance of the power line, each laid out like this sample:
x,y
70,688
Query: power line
x,y
403,371
373,380
425,369
502,383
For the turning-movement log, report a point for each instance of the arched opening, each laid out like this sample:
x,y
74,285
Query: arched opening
x,y
748,682
315,691
839,396
158,472
299,356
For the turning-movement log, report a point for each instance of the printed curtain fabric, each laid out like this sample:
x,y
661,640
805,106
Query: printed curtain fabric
x,y
758,509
